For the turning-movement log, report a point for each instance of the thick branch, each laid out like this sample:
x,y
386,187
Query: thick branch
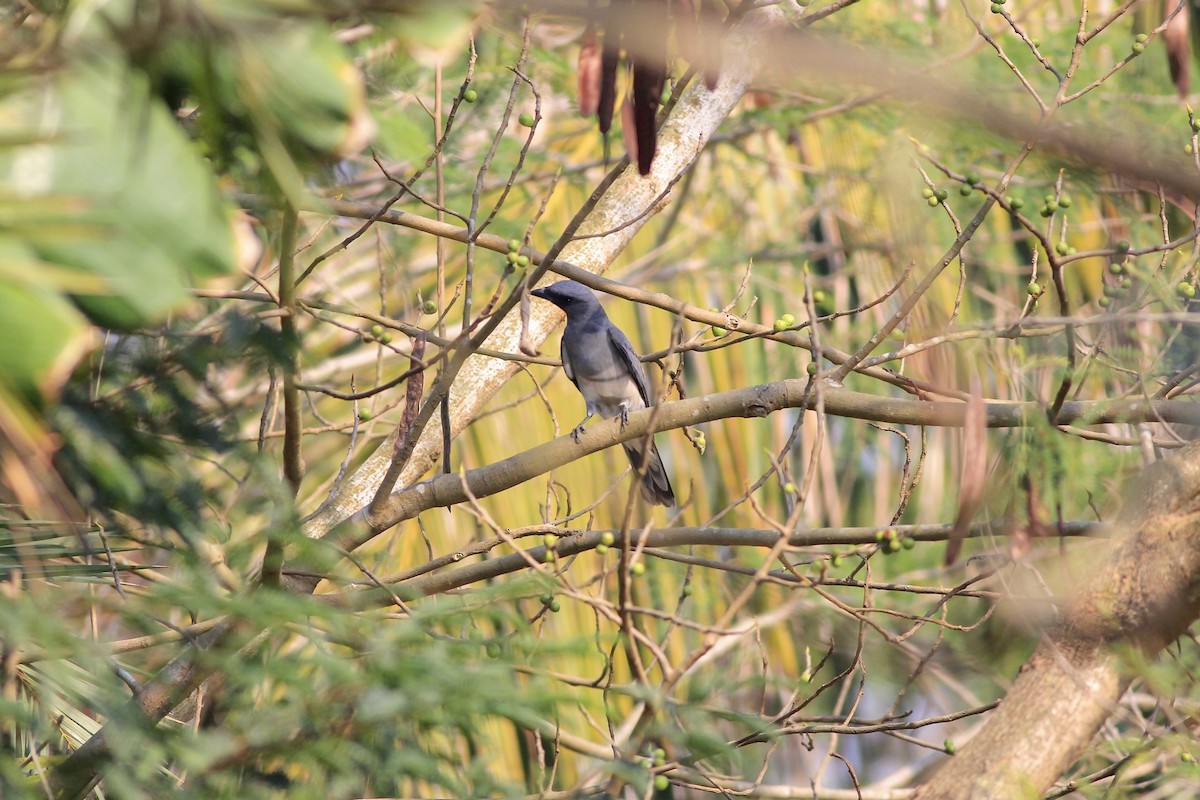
x,y
754,401
1142,596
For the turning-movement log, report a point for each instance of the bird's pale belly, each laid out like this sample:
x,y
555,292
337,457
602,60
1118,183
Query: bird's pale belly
x,y
609,395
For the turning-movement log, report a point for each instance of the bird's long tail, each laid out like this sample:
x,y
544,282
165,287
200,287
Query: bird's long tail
x,y
656,486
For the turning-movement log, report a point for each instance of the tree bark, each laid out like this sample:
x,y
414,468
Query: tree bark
x,y
1144,594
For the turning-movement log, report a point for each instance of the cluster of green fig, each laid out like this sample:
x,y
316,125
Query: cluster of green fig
x,y
656,760
377,333
1185,289
1194,124
515,257
784,322
934,197
551,542
821,301
1118,270
969,182
1051,204
892,542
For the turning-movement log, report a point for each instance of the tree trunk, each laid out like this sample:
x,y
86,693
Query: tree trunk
x,y
1145,592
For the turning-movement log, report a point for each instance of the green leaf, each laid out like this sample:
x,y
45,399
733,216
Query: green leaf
x,y
44,335
149,219
306,83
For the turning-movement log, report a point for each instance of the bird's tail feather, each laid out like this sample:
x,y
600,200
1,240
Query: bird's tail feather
x,y
656,486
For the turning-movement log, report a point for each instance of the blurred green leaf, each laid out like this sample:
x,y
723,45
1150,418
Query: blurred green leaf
x,y
44,335
159,220
307,85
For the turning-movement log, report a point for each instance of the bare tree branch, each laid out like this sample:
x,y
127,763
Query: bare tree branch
x,y
753,401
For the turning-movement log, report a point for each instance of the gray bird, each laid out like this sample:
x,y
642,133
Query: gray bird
x,y
600,361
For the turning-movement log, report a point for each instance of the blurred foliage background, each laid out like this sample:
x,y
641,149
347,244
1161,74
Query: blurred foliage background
x,y
152,147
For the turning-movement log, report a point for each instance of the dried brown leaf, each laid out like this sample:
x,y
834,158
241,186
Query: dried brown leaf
x,y
1019,542
414,388
526,344
610,59
1175,39
688,31
696,34
648,80
588,74
973,478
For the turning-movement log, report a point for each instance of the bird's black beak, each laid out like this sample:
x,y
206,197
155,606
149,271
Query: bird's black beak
x,y
540,293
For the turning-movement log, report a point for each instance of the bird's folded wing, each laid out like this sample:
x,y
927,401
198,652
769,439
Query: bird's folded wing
x,y
562,353
624,350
